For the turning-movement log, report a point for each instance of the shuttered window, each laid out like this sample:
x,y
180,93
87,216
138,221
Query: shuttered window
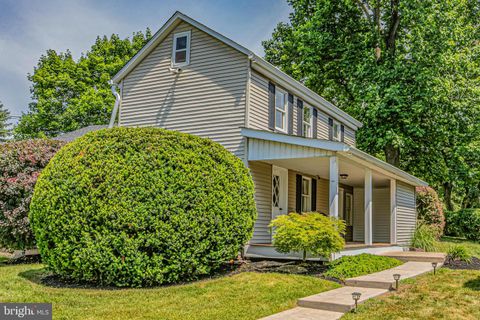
x,y
307,122
306,194
281,110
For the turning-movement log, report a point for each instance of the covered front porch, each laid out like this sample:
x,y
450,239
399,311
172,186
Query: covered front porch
x,y
293,174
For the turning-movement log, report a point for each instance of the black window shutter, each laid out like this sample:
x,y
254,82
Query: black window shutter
x,y
342,129
299,117
330,129
314,123
271,106
290,113
314,194
298,194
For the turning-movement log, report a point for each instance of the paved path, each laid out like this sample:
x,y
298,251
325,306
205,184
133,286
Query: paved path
x,y
331,305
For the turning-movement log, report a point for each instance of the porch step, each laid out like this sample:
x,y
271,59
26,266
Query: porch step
x,y
384,279
406,256
339,300
300,313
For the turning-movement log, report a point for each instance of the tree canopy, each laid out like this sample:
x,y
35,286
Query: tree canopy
x,y
4,118
409,70
68,94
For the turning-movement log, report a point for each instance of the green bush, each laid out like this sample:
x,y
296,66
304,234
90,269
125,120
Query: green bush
x,y
464,223
310,232
459,252
354,266
20,164
430,208
141,207
425,237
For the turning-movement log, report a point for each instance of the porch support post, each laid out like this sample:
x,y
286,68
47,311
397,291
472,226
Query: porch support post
x,y
333,190
368,207
393,211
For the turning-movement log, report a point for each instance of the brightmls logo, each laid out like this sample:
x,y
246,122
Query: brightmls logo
x,y
30,311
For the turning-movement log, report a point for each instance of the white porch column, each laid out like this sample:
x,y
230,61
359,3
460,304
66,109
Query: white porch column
x,y
368,207
333,190
393,211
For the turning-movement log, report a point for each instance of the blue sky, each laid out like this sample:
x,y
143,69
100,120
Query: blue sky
x,y
29,28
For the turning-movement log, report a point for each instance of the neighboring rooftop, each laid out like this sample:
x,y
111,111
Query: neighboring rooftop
x,y
72,135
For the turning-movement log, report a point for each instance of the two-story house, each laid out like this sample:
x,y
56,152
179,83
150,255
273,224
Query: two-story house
x,y
299,147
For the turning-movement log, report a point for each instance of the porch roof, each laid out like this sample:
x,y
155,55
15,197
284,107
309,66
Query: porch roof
x,y
308,147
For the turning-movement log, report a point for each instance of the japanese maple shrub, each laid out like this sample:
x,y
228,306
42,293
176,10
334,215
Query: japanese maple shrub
x,y
20,164
142,207
430,208
309,232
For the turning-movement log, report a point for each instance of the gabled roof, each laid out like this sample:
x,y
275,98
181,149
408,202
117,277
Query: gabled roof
x,y
258,63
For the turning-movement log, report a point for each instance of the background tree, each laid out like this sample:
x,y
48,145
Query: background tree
x,y
4,117
409,70
68,94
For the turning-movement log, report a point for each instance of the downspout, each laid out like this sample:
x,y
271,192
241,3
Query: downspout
x,y
118,100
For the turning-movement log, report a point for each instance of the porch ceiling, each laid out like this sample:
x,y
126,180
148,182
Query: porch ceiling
x,y
320,167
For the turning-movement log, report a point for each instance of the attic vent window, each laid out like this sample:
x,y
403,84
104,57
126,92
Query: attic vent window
x,y
181,49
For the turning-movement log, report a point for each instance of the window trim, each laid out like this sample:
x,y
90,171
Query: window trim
x,y
285,111
339,133
309,196
187,49
308,134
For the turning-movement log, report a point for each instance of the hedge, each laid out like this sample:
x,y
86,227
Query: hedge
x,y
142,207
20,164
464,223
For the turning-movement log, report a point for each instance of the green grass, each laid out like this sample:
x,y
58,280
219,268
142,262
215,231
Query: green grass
x,y
451,294
3,259
242,296
446,242
354,266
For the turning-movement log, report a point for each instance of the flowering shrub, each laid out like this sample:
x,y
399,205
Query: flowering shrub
x,y
430,209
20,165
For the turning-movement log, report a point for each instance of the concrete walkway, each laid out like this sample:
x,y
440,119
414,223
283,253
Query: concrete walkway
x,y
334,303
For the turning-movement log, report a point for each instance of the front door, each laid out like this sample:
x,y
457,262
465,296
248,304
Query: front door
x,y
279,191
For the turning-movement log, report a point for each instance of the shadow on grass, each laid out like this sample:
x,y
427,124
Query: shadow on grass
x,y
473,284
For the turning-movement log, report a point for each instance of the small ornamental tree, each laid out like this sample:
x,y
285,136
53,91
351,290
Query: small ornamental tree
x,y
20,165
309,232
430,209
141,207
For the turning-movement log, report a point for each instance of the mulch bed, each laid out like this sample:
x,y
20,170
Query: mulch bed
x,y
462,265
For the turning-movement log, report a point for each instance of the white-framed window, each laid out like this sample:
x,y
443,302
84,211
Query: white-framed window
x,y
281,110
306,194
307,121
336,131
181,49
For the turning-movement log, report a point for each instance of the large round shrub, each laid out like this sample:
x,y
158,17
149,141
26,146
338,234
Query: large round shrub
x,y
20,165
139,207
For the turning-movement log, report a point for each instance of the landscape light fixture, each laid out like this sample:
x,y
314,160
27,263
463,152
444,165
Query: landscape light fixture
x,y
396,277
356,297
434,265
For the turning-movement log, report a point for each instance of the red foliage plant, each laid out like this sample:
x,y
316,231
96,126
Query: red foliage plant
x,y
430,208
20,165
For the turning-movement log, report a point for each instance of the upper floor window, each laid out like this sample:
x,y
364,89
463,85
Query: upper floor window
x,y
281,110
307,122
181,49
336,131
306,194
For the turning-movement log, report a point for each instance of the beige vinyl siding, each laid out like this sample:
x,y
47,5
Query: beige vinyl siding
x,y
262,179
380,214
322,196
349,137
207,98
406,213
322,125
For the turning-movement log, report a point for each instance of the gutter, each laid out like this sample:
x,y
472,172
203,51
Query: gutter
x,y
118,100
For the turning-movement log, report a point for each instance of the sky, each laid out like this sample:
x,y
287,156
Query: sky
x,y
29,27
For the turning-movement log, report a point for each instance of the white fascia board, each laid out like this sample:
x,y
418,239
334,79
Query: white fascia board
x,y
171,23
299,141
302,91
384,167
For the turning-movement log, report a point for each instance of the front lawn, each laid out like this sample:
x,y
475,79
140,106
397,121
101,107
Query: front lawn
x,y
451,294
447,242
242,296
